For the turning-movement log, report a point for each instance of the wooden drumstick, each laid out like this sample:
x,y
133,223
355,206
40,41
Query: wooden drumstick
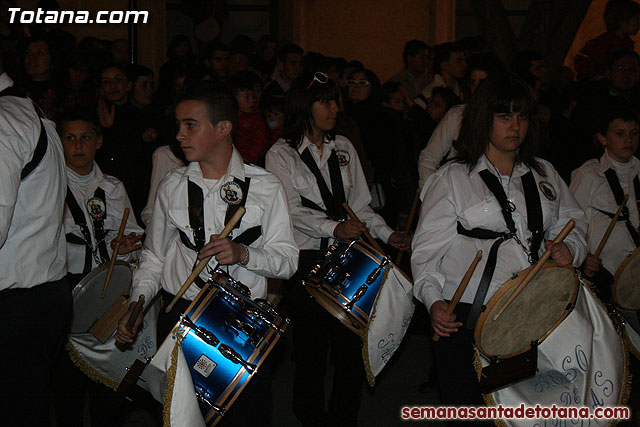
x,y
136,312
204,261
610,228
461,288
407,227
543,259
112,264
368,235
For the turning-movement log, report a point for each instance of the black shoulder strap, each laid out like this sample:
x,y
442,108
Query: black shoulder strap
x,y
534,213
333,202
231,209
618,194
79,219
98,227
491,181
38,153
196,217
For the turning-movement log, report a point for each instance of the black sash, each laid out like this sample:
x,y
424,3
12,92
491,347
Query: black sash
x,y
534,219
618,194
332,201
196,220
98,229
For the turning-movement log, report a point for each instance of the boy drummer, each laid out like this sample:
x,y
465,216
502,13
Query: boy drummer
x,y
220,180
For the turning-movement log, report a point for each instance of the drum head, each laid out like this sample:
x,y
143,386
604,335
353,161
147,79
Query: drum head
x,y
88,307
532,316
625,284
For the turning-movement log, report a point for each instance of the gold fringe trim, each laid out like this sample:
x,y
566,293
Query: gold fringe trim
x,y
87,369
628,344
168,393
371,379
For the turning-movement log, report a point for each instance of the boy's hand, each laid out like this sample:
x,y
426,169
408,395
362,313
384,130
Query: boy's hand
x,y
128,243
225,251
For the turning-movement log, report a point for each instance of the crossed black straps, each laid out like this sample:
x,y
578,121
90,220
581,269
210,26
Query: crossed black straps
x,y
618,194
98,229
332,201
196,220
534,220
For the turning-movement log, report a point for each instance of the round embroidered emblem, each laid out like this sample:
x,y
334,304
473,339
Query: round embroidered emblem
x,y
231,193
343,157
548,190
96,208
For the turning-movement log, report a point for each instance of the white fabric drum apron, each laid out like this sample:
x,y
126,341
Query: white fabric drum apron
x,y
626,295
104,362
580,364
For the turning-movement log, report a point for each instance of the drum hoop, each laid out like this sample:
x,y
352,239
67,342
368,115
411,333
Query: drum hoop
x,y
95,272
370,250
619,271
510,284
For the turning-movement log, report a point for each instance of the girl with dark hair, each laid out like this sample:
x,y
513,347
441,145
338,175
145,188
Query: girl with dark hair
x,y
309,145
497,197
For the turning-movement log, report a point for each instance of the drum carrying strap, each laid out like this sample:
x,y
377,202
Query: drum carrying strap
x,y
98,229
196,220
618,194
332,201
534,217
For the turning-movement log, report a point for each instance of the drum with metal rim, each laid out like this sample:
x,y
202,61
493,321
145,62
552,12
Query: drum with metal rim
x,y
539,309
105,362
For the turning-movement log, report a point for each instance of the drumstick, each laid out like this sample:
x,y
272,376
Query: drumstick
x,y
368,235
204,261
125,215
461,288
136,312
610,228
407,227
543,259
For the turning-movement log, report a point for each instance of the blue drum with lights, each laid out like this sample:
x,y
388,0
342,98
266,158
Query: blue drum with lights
x,y
225,338
347,281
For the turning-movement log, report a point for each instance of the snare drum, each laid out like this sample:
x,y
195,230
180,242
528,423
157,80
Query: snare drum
x,y
626,296
224,338
347,281
103,361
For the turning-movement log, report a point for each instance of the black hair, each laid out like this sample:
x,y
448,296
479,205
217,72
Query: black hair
x,y
449,97
388,90
111,65
245,80
487,62
287,49
135,71
613,113
220,102
412,48
210,48
500,93
304,92
443,53
373,80
175,42
79,114
618,54
521,65
618,11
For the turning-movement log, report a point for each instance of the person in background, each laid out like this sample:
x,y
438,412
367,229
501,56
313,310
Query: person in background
x,y
290,67
413,76
450,66
251,138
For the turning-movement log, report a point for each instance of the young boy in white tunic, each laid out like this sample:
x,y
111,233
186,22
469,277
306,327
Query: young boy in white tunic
x,y
261,246
599,185
95,202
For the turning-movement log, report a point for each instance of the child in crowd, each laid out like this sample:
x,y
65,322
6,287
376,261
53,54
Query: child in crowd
x,y
252,137
599,186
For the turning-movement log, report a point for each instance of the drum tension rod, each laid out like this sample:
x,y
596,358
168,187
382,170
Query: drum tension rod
x,y
232,355
356,297
201,395
201,332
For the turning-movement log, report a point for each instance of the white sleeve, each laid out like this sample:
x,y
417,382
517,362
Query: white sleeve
x,y
439,144
278,254
161,165
435,233
360,198
308,221
160,234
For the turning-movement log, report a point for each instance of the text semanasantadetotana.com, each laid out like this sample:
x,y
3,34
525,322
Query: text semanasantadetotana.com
x,y
41,16
506,412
